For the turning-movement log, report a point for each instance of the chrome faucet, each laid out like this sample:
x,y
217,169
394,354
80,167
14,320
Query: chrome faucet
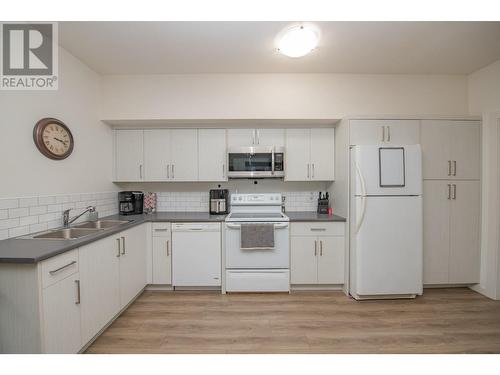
x,y
67,221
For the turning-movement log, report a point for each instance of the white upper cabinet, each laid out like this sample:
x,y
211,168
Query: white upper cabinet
x,y
171,155
240,137
322,154
129,164
370,132
212,155
184,155
465,150
256,137
310,154
298,154
270,137
157,154
451,149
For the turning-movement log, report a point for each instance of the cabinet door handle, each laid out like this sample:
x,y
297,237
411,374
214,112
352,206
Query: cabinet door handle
x,y
383,133
168,171
388,134
253,137
119,247
454,192
123,245
454,167
312,170
258,137
315,248
449,191
168,248
321,247
449,167
307,170
61,268
223,170
140,171
318,229
173,171
77,282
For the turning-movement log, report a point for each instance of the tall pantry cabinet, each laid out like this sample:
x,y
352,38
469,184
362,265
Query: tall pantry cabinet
x,y
451,196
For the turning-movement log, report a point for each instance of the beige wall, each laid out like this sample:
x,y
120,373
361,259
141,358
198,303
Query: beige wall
x,y
23,170
484,100
484,90
229,96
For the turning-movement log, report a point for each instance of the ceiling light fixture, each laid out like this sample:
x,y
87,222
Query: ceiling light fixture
x,y
298,41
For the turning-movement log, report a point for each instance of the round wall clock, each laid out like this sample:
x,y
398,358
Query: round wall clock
x,y
53,138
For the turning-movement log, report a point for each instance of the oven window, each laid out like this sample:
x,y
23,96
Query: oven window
x,y
250,162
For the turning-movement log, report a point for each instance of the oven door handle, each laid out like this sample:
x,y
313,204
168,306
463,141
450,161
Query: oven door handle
x,y
238,226
272,161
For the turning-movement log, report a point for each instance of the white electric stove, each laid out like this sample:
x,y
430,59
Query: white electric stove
x,y
263,270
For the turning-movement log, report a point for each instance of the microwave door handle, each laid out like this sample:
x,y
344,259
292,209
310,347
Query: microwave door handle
x,y
272,161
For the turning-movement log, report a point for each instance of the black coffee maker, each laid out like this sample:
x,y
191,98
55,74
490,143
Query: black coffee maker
x,y
219,201
130,202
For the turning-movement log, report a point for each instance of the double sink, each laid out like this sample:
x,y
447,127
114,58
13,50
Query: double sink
x,y
78,231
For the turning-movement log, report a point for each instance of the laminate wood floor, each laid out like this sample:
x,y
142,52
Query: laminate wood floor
x,y
454,320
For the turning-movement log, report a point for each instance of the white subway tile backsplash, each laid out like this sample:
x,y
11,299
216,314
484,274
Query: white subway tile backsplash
x,y
38,227
19,231
38,210
23,215
18,212
28,220
199,201
28,202
54,207
9,223
47,200
9,203
62,199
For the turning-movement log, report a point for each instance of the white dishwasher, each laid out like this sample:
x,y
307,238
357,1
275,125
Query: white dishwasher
x,y
196,254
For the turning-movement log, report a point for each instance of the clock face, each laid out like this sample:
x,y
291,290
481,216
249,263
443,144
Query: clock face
x,y
56,139
53,138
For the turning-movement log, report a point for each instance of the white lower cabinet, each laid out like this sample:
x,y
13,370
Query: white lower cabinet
x,y
132,263
61,316
162,253
100,289
317,258
451,232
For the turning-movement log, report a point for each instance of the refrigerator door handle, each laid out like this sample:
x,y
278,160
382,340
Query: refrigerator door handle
x,y
363,199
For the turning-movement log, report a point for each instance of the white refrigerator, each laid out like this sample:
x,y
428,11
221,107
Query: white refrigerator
x,y
386,250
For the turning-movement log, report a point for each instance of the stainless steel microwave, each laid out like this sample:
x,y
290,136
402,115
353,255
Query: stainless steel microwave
x,y
256,162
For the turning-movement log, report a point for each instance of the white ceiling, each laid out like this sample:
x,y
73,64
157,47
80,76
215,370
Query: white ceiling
x,y
248,47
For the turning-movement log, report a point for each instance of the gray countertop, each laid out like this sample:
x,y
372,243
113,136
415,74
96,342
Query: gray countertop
x,y
30,251
312,216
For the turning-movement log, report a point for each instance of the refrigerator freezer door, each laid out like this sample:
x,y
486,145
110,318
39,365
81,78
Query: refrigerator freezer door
x,y
381,170
387,251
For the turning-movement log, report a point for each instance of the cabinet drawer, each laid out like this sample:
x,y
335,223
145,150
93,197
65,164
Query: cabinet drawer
x,y
319,228
59,267
161,229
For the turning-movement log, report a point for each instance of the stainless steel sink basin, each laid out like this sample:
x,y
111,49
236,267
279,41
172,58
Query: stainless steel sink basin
x,y
101,224
66,234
